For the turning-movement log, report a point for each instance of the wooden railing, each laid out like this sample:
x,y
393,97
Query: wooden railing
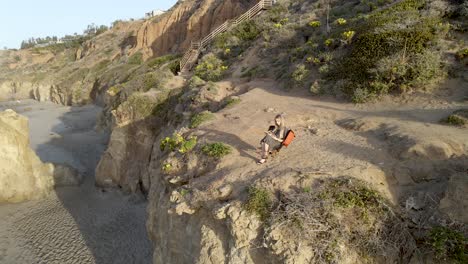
x,y
191,55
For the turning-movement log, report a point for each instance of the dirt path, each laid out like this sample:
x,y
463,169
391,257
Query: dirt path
x,y
74,224
337,138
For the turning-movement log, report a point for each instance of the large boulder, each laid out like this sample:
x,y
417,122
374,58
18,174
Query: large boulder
x,y
22,174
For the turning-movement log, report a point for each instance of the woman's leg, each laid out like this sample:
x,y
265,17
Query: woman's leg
x,y
265,148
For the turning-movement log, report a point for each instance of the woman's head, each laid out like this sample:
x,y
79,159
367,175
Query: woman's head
x,y
279,121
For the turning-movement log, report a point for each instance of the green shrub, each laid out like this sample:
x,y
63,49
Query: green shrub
x,y
341,213
114,90
462,10
341,21
155,80
141,106
246,31
361,95
200,118
216,150
347,194
299,75
136,59
167,167
171,142
232,101
210,68
316,88
314,24
347,36
386,55
188,145
178,143
138,106
324,69
184,192
463,53
157,62
259,202
195,82
455,120
449,244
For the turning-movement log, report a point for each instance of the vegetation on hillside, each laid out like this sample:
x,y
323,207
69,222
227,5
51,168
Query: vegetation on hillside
x,y
216,150
345,218
357,49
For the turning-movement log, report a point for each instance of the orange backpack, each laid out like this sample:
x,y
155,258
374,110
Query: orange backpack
x,y
289,138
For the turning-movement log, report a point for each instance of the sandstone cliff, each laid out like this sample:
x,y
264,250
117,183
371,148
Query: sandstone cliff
x,y
22,175
77,75
187,21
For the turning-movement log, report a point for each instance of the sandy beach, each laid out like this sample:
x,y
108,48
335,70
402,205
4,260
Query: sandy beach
x,y
81,224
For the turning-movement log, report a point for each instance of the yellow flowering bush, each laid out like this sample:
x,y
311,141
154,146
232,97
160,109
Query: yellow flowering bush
x,y
348,35
315,23
341,21
210,68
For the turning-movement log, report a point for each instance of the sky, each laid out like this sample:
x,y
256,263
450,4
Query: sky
x,y
23,19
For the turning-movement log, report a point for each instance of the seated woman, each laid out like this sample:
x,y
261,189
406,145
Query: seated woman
x,y
273,139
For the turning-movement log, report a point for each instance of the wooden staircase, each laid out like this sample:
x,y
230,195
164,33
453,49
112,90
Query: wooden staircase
x,y
190,57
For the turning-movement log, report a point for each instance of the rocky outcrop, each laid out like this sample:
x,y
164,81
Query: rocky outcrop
x,y
218,231
126,157
22,174
24,90
187,21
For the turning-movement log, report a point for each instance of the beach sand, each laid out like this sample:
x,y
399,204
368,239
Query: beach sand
x,y
82,224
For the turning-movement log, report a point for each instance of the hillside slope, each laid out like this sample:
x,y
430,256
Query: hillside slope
x,y
381,181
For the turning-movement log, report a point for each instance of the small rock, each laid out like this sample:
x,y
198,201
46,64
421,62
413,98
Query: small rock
x,y
224,192
184,208
220,212
176,180
415,202
270,110
175,197
313,130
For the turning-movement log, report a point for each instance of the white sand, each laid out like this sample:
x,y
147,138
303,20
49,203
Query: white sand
x,y
75,224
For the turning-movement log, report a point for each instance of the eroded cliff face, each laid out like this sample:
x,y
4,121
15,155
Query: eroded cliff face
x,y
74,75
71,74
126,157
22,175
187,21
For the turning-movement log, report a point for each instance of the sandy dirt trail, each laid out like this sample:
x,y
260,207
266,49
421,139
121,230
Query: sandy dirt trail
x,y
370,151
75,224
